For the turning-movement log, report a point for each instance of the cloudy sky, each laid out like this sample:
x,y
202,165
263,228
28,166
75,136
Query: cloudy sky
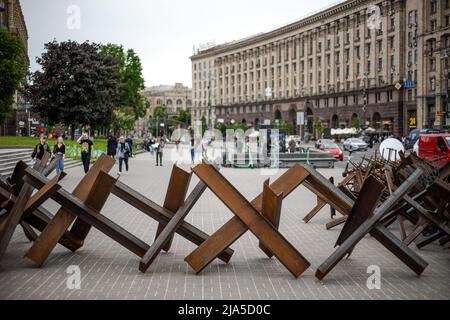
x,y
162,32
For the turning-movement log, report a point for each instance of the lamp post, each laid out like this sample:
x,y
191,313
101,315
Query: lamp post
x,y
210,79
447,92
365,98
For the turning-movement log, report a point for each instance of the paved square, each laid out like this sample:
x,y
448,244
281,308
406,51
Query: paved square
x,y
110,272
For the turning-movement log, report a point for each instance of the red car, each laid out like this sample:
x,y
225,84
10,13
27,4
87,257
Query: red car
x,y
334,149
435,148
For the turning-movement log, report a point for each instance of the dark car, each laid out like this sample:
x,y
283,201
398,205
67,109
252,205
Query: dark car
x,y
415,134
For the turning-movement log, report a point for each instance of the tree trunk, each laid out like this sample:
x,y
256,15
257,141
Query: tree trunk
x,y
72,132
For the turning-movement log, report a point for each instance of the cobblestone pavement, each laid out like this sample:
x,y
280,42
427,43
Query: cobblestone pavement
x,y
110,272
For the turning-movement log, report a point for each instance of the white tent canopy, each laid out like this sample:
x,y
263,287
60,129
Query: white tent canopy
x,y
344,132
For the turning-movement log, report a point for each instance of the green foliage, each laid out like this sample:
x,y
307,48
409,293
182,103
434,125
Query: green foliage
x,y
237,126
160,112
356,123
123,120
131,79
77,85
318,126
204,125
13,68
184,117
287,127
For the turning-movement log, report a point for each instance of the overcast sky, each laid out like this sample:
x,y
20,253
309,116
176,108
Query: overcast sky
x,y
162,32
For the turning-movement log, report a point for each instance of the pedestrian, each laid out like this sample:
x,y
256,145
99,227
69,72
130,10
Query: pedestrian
x,y
192,149
159,148
129,140
87,149
112,146
151,145
123,153
40,149
292,146
59,152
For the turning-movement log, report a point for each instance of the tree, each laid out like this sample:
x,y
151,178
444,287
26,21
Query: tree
x,y
160,112
356,123
13,68
131,80
318,126
122,121
77,85
184,116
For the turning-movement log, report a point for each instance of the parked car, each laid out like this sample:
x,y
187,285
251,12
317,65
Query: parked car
x,y
416,148
334,149
355,144
414,136
435,147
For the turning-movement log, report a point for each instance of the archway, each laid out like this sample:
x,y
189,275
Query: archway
x,y
353,123
335,122
376,121
244,121
278,115
293,117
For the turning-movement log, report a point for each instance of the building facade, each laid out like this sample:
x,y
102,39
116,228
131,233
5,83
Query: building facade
x,y
12,19
383,62
174,97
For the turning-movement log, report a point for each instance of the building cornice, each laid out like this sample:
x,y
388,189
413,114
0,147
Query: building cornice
x,y
318,17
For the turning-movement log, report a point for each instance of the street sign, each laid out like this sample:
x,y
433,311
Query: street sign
x,y
409,84
398,86
442,114
300,118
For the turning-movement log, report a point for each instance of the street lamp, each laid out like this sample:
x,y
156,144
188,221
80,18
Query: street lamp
x,y
210,78
447,93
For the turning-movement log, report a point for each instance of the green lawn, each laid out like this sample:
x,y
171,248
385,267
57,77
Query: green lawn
x,y
27,142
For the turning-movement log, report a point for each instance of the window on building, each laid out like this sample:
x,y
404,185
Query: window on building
x,y
433,6
432,84
433,25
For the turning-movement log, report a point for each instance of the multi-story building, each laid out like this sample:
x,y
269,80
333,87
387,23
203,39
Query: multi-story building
x,y
173,97
380,61
12,19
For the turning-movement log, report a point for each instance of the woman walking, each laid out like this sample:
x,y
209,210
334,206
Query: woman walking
x,y
123,154
59,152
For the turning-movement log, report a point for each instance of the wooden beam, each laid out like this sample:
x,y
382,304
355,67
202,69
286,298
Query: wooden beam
x,y
175,195
169,230
251,217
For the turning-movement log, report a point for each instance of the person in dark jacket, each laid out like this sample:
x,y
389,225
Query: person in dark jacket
x,y
40,149
112,146
129,140
87,150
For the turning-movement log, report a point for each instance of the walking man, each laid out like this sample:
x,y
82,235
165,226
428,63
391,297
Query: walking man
x,y
87,148
40,149
159,148
112,145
